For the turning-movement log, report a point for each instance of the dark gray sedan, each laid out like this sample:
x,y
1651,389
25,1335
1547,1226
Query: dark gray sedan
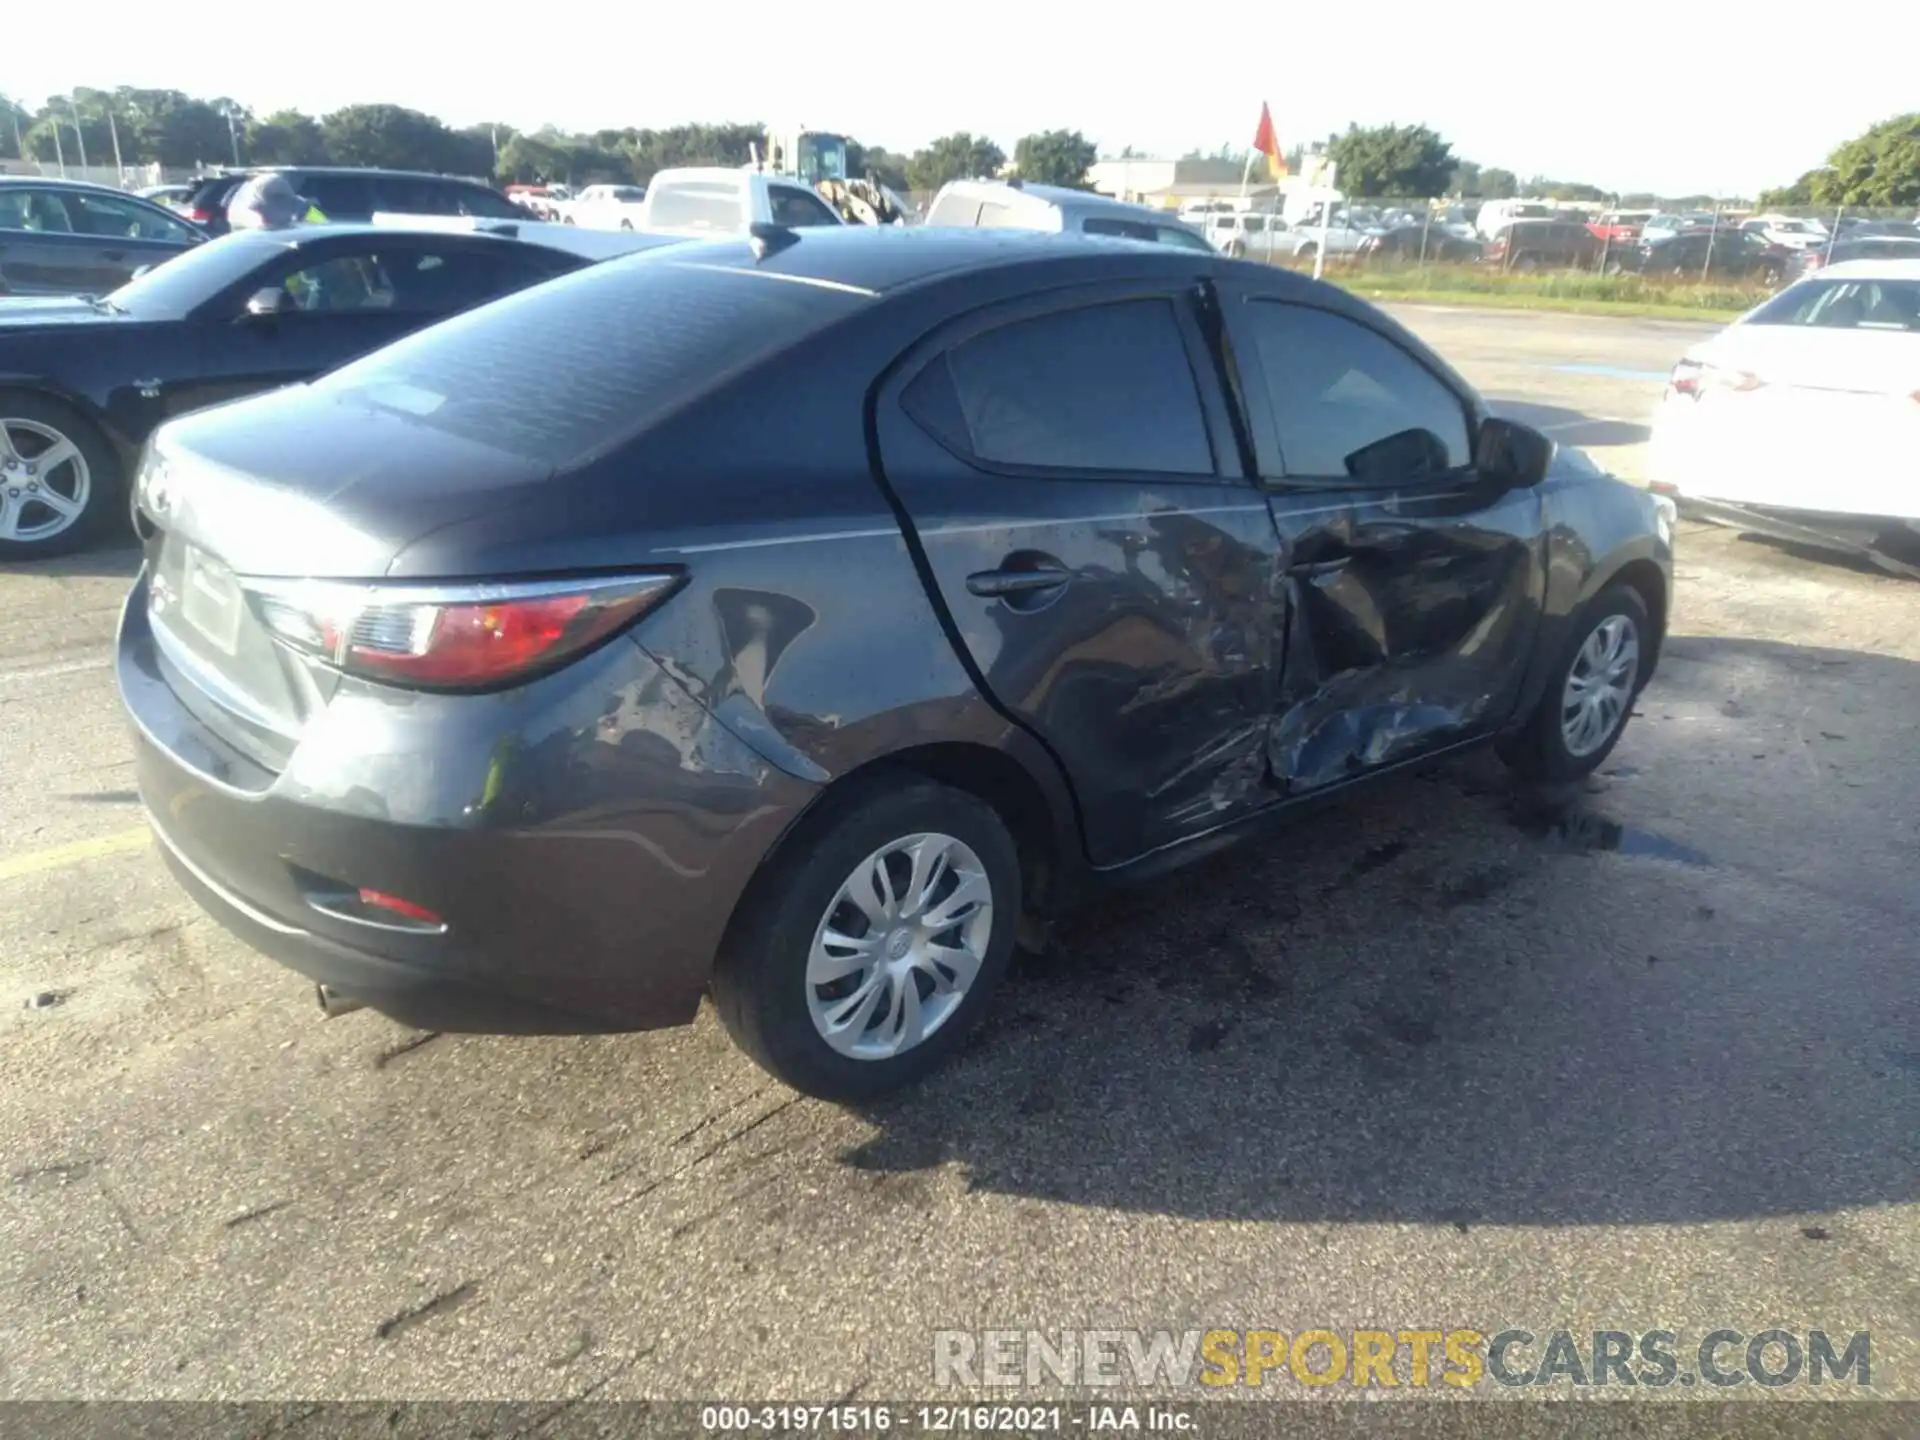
x,y
806,617
67,237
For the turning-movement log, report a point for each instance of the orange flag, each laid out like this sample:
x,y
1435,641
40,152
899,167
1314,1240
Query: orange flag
x,y
1267,142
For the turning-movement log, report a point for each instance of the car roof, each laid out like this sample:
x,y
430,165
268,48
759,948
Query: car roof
x,y
61,182
877,259
1085,201
246,171
1879,269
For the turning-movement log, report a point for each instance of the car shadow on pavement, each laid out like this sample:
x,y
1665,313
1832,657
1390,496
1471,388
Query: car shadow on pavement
x,y
120,558
1572,427
1684,993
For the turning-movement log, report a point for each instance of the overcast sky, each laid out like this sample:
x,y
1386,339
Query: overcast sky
x,y
1675,98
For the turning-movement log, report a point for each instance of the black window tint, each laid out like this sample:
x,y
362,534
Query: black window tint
x,y
569,369
1105,387
1125,229
492,205
340,197
790,205
1352,405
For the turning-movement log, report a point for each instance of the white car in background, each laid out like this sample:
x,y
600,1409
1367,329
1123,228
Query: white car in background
x,y
606,207
1801,420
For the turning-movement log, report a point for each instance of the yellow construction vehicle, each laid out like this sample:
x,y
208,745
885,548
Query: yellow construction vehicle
x,y
818,159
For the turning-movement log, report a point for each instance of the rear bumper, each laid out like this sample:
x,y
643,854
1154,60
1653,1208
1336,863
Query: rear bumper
x,y
585,839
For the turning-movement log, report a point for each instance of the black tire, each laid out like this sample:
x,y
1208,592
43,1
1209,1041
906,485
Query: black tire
x,y
105,479
1540,752
760,976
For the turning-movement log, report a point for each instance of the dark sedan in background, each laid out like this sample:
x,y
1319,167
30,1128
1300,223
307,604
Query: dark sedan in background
x,y
803,617
1708,254
67,237
1430,244
1543,245
84,380
355,193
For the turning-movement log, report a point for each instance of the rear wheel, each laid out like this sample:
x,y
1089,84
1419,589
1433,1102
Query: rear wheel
x,y
859,960
1590,693
59,478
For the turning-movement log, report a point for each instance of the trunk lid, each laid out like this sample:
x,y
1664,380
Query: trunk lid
x,y
285,486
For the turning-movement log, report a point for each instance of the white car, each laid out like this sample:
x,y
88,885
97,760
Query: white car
x,y
607,207
1802,418
1787,231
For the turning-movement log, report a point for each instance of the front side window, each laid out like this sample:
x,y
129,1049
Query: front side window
x,y
1102,388
1351,406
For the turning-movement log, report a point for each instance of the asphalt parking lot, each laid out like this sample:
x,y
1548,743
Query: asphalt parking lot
x,y
1431,1058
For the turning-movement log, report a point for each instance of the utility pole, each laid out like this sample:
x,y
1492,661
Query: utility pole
x,y
79,138
113,127
59,151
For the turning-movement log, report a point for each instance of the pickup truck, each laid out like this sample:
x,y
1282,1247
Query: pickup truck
x,y
718,201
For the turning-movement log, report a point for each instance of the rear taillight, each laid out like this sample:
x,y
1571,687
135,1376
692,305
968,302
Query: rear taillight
x,y
454,637
1692,378
200,215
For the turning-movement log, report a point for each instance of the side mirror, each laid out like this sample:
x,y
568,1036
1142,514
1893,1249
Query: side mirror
x,y
1511,454
266,302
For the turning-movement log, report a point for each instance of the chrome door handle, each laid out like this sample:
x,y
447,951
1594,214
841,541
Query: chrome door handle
x,y
993,583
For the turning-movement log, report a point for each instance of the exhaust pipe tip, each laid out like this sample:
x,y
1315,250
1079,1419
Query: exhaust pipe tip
x,y
333,1004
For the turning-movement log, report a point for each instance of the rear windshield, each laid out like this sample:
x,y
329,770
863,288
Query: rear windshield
x,y
562,372
211,193
1845,305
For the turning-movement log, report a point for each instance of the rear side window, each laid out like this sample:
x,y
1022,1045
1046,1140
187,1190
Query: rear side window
x,y
1101,388
954,210
695,206
996,216
570,369
338,196
491,205
1125,229
1352,406
790,205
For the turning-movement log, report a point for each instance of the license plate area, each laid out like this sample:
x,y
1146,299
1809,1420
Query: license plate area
x,y
210,600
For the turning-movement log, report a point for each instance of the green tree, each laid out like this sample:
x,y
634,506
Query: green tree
x,y
1403,160
959,156
397,138
1498,185
1800,193
1055,157
1879,168
1465,181
14,120
286,137
879,163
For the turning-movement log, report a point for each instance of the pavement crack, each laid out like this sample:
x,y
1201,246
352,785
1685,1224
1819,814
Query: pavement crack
x,y
259,1212
64,1172
685,1228
718,1115
405,1047
706,1154
407,1319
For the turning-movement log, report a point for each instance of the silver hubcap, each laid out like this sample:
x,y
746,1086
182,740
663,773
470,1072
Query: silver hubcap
x,y
44,480
899,947
1600,686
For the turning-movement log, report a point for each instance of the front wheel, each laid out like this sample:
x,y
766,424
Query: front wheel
x,y
858,960
1590,692
59,478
